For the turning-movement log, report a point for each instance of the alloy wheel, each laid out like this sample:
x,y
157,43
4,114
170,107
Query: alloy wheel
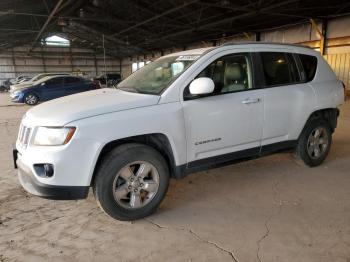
x,y
317,143
136,184
31,99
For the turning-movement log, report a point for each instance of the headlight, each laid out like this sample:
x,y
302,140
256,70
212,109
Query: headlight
x,y
53,136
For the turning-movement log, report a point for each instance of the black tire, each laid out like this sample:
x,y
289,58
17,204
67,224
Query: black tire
x,y
31,99
305,145
113,164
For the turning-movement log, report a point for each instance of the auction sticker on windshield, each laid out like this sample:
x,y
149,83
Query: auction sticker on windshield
x,y
187,57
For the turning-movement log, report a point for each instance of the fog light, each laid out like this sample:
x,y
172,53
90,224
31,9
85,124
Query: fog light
x,y
48,170
44,170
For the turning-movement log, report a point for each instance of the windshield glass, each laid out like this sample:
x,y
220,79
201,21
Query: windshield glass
x,y
43,76
156,76
43,79
38,77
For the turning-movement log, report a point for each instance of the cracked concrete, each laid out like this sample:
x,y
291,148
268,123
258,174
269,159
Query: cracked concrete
x,y
230,253
270,209
266,234
267,231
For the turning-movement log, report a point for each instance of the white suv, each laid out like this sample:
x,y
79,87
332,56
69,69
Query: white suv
x,y
184,112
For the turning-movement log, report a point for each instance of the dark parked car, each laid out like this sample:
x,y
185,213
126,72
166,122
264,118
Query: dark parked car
x,y
112,79
5,86
7,83
50,88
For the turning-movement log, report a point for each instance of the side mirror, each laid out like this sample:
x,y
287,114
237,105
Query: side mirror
x,y
42,84
202,86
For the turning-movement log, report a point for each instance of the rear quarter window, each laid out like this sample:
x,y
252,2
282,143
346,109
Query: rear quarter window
x,y
309,64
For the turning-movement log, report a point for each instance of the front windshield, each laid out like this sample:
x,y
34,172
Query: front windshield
x,y
42,76
156,76
38,77
42,79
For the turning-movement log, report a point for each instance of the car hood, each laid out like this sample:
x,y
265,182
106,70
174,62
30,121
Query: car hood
x,y
59,112
20,86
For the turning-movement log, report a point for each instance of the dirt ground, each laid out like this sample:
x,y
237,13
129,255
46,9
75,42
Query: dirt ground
x,y
269,209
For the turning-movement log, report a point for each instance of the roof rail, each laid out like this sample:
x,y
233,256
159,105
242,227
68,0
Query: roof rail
x,y
263,43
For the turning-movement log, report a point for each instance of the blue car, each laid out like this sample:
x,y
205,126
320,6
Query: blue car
x,y
50,88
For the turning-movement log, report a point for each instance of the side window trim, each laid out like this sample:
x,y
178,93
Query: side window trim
x,y
252,80
302,73
291,60
258,71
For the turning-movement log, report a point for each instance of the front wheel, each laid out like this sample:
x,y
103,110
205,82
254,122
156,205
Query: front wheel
x,y
131,182
31,99
314,142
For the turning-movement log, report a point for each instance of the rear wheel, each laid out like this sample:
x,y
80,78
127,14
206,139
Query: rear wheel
x,y
131,182
31,99
314,142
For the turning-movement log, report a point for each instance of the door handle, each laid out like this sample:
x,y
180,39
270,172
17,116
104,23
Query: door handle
x,y
251,101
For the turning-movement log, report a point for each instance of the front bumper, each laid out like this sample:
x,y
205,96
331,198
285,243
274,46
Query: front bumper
x,y
18,97
33,186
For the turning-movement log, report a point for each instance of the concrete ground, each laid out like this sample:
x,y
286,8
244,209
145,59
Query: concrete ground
x,y
269,209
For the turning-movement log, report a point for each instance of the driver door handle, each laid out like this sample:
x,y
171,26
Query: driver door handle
x,y
251,101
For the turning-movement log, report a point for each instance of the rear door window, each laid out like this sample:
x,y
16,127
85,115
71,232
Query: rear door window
x,y
309,64
71,80
279,69
55,81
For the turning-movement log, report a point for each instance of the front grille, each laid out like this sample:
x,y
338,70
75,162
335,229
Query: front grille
x,y
24,135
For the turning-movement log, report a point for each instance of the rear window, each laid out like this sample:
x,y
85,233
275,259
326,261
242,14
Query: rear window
x,y
309,65
279,69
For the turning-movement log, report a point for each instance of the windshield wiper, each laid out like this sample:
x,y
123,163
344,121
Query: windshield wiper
x,y
128,89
